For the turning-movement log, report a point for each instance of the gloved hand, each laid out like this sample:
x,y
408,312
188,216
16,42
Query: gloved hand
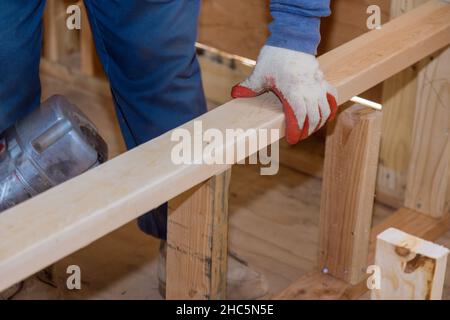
x,y
308,100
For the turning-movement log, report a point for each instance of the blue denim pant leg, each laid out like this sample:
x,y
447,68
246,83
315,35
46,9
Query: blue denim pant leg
x,y
147,48
20,51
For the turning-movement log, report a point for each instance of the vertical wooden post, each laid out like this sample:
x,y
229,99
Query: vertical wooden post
x,y
399,94
50,48
197,241
55,30
88,55
351,158
428,175
410,268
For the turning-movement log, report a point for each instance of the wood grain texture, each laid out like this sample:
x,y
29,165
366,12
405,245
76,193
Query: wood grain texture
x,y
348,190
428,173
347,21
243,25
404,219
235,26
90,63
38,232
315,286
197,241
398,99
397,45
411,268
58,40
399,94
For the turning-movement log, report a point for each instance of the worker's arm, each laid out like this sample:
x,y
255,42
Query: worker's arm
x,y
287,66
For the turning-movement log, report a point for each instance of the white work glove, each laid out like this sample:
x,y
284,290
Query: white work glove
x,y
295,77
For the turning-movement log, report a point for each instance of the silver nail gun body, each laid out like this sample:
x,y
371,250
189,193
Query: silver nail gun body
x,y
51,145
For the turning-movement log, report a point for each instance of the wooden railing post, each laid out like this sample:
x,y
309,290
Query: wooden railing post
x,y
428,174
197,241
348,189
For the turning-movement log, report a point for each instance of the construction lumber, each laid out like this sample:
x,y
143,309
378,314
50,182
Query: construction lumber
x,y
348,190
90,63
58,41
411,268
379,54
413,222
406,220
197,241
399,94
428,174
398,99
41,231
52,39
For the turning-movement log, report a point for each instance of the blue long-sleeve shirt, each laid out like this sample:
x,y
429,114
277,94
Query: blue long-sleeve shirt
x,y
296,24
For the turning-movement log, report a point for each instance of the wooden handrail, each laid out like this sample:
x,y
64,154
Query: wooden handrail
x,y
47,228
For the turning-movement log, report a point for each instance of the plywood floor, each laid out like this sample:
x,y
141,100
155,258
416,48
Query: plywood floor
x,y
273,226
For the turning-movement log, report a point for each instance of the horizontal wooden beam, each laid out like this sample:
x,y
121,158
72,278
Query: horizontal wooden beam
x,y
406,220
43,230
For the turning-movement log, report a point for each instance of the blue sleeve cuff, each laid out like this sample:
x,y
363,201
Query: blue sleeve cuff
x,y
296,24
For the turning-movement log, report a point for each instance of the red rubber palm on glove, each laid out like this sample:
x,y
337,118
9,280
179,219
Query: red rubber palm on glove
x,y
308,100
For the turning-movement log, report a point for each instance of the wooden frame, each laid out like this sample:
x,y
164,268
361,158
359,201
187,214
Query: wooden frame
x,y
45,229
411,268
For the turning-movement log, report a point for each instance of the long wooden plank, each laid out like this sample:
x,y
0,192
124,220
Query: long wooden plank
x,y
197,241
406,220
411,268
379,54
348,190
41,231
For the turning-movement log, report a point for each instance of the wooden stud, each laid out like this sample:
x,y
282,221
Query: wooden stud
x,y
329,287
348,189
399,97
197,241
88,54
399,94
50,48
428,174
59,42
411,268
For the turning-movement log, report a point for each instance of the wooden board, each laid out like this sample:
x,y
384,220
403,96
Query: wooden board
x,y
348,191
406,220
243,25
58,40
411,268
428,173
197,241
38,232
398,99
